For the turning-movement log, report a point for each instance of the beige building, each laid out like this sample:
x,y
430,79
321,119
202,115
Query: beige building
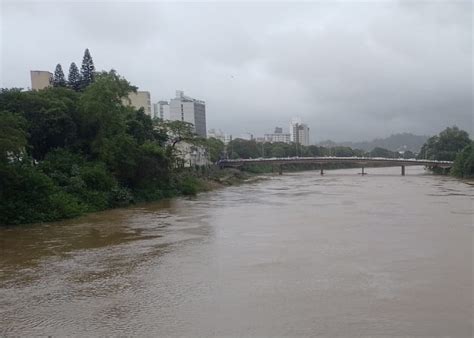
x,y
40,79
138,100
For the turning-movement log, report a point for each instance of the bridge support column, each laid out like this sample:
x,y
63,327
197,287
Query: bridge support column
x,y
322,170
280,170
403,170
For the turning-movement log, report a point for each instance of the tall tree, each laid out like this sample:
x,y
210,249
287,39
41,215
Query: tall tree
x,y
87,70
58,79
74,78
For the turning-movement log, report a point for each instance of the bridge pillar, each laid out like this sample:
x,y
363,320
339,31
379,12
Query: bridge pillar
x,y
403,170
280,170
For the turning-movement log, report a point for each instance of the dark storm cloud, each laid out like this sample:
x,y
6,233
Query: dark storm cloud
x,y
352,70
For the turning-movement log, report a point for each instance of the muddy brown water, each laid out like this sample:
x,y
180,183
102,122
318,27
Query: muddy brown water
x,y
294,255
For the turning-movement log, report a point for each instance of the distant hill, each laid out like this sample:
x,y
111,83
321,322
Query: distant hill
x,y
395,142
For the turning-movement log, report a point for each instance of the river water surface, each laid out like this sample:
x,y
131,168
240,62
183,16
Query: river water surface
x,y
298,254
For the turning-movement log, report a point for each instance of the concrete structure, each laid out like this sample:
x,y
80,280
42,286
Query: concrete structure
x,y
140,99
40,79
299,132
277,136
161,110
192,155
187,109
362,161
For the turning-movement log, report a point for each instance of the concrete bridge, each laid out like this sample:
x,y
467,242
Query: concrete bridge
x,y
362,161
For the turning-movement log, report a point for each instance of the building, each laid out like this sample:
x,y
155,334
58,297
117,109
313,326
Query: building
x,y
192,155
187,109
299,132
161,110
220,135
40,79
140,99
277,136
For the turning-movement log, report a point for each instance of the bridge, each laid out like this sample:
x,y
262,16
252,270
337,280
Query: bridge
x,y
362,161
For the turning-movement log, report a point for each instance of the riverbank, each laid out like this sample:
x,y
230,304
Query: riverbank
x,y
183,182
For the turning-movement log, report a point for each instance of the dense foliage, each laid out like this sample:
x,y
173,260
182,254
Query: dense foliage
x,y
240,148
464,162
63,153
452,144
446,145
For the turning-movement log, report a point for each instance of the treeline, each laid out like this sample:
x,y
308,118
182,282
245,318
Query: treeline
x,y
77,80
65,152
239,148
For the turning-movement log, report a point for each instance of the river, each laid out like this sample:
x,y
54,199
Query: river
x,y
294,255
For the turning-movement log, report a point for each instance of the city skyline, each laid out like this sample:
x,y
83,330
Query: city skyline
x,y
353,72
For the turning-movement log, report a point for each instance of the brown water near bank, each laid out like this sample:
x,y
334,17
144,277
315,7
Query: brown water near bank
x,y
297,254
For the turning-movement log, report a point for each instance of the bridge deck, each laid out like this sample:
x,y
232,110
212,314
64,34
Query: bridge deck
x,y
330,159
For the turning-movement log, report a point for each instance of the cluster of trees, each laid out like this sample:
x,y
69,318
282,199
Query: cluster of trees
x,y
239,148
65,152
77,80
452,144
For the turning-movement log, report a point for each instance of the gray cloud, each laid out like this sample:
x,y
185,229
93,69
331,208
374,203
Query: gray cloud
x,y
353,71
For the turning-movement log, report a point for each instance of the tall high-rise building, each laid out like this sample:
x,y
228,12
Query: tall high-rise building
x,y
40,79
161,110
140,99
299,132
187,109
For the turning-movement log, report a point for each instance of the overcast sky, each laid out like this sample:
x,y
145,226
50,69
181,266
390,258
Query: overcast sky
x,y
351,70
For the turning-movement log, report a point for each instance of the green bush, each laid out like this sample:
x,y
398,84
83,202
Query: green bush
x,y
28,195
189,186
64,205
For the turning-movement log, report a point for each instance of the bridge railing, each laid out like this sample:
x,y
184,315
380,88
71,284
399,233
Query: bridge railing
x,y
326,159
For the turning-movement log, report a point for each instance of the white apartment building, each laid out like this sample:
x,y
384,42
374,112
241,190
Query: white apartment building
x,y
218,134
161,110
299,132
187,109
40,79
277,136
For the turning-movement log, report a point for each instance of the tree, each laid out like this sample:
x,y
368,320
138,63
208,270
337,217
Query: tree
x,y
464,163
87,70
12,135
446,145
215,148
74,78
408,154
58,79
381,152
